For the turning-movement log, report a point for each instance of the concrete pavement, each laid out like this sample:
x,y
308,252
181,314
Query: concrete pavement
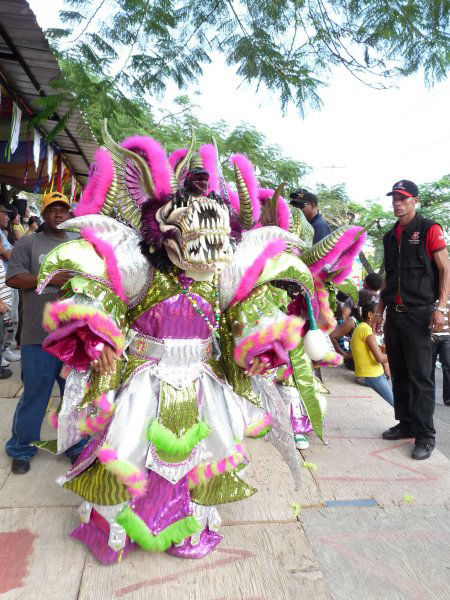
x,y
372,523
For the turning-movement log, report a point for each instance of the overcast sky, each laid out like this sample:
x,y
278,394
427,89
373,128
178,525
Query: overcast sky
x,y
362,137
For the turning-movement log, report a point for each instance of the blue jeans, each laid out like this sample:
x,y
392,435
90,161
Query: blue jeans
x,y
40,370
381,386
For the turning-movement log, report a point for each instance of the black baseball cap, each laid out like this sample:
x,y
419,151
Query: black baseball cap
x,y
405,187
302,196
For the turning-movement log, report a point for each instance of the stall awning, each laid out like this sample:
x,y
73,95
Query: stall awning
x,y
27,68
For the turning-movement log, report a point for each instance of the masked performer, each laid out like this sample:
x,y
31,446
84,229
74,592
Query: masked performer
x,y
146,326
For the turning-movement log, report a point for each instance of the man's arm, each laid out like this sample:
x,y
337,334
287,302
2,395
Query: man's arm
x,y
23,281
4,253
379,310
28,281
441,261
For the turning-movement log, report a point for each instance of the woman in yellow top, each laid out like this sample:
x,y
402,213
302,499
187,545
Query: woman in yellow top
x,y
371,364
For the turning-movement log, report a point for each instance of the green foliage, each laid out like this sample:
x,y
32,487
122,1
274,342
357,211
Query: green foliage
x,y
173,130
286,46
435,201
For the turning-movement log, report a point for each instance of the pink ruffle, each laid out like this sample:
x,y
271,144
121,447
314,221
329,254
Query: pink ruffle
x,y
77,344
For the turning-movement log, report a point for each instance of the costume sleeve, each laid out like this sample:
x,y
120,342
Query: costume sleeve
x,y
262,329
89,316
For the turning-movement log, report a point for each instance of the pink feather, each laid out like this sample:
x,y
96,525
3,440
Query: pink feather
x,y
107,455
209,158
234,198
100,179
106,251
176,156
341,256
246,168
264,194
253,272
157,160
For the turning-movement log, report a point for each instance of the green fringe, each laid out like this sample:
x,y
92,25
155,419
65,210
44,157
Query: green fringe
x,y
138,531
173,447
262,433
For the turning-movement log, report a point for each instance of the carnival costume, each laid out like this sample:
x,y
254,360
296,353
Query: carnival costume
x,y
185,298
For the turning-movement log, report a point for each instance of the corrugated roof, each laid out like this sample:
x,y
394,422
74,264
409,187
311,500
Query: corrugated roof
x,y
27,67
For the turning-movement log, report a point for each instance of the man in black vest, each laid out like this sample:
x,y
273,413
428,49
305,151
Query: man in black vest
x,y
417,274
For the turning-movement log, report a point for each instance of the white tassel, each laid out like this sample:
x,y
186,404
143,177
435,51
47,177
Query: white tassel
x,y
15,128
50,155
72,189
36,149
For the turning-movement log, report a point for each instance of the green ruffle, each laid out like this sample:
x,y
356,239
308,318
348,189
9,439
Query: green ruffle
x,y
176,448
224,488
138,531
99,486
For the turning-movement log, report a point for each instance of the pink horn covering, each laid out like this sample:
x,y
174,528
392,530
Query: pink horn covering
x,y
176,156
100,180
209,158
156,158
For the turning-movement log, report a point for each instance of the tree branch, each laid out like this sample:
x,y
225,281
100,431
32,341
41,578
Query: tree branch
x,y
88,23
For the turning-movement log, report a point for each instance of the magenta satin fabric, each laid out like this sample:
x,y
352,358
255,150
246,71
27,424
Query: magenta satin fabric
x,y
300,424
76,344
208,541
176,318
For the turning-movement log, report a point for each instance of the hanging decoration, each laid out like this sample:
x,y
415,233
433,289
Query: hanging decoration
x,y
72,189
15,129
50,155
36,149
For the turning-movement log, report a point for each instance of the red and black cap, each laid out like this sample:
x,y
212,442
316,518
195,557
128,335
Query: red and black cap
x,y
404,187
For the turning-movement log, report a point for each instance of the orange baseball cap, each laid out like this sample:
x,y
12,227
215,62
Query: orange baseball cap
x,y
52,198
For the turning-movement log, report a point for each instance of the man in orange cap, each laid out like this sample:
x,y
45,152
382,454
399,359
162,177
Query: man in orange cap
x,y
40,370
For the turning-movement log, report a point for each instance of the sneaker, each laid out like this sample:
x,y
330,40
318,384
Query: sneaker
x,y
11,355
422,450
396,433
301,441
5,363
5,373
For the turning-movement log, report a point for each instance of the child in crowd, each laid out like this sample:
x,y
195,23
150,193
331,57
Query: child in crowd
x,y
371,364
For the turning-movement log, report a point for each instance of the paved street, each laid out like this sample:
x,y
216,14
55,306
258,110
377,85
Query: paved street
x,y
372,524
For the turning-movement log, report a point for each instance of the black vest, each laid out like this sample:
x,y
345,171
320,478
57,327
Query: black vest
x,y
408,268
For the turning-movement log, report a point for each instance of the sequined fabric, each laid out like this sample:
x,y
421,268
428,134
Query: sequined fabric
x,y
252,244
176,318
69,413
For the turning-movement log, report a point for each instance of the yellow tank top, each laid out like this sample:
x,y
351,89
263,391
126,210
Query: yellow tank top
x,y
365,363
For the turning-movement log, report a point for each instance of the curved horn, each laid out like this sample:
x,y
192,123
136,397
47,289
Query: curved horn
x,y
119,153
246,211
196,162
187,158
278,192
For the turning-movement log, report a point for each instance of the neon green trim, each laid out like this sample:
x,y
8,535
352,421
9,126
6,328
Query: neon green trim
x,y
138,531
61,312
173,446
